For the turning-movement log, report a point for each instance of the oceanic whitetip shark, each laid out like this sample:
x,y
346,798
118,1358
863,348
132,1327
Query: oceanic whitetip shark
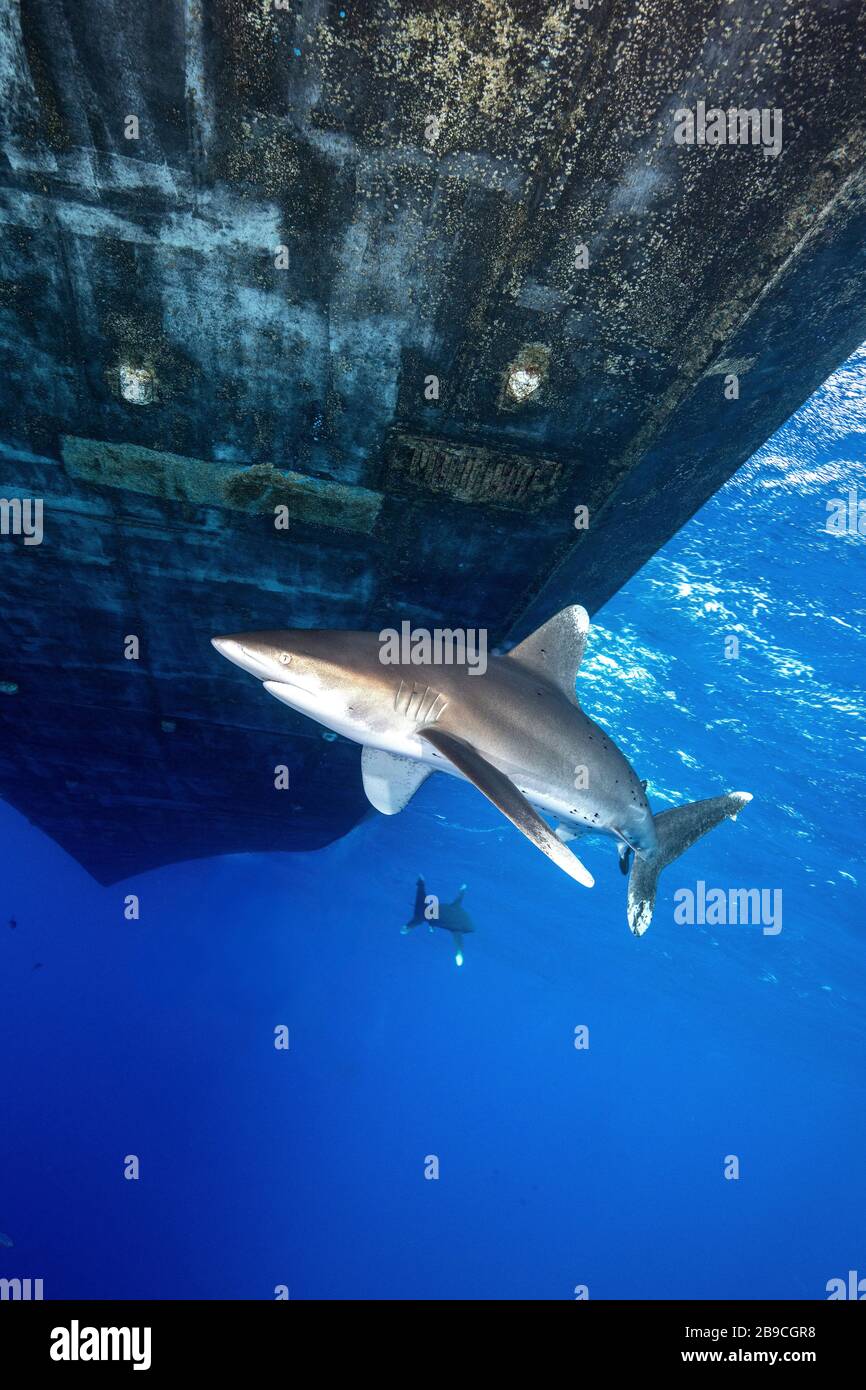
x,y
516,731
451,917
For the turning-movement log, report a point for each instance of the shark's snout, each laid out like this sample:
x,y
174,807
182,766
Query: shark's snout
x,y
228,647
244,650
232,648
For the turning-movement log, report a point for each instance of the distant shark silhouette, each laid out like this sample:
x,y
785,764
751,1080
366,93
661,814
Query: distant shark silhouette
x,y
517,732
451,917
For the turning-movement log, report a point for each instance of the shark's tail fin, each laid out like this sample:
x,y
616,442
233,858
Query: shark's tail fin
x,y
676,831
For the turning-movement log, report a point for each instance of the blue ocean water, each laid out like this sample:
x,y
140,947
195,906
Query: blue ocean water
x,y
559,1167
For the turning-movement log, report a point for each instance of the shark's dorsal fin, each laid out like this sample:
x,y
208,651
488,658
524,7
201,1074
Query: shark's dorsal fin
x,y
555,649
389,780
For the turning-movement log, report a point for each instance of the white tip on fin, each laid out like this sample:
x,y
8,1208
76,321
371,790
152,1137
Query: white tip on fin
x,y
509,799
677,830
555,650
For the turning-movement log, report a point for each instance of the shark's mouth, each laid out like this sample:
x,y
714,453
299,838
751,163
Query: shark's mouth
x,y
273,685
254,663
327,708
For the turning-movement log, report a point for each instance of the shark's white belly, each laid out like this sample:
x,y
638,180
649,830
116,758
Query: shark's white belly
x,y
546,799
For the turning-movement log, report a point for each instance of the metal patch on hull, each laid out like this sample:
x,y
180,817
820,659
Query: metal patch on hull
x,y
472,473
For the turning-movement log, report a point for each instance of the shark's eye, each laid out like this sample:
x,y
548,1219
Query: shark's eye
x,y
285,658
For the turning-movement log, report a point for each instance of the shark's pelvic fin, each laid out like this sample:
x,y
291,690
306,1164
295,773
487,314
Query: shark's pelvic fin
x,y
391,781
677,830
555,649
508,799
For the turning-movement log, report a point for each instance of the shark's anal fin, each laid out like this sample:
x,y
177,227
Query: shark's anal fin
x,y
508,799
389,780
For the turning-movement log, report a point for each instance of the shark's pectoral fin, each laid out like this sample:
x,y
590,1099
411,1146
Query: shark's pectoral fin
x,y
391,781
508,799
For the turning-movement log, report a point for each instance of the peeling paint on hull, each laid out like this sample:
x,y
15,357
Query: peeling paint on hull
x,y
258,490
